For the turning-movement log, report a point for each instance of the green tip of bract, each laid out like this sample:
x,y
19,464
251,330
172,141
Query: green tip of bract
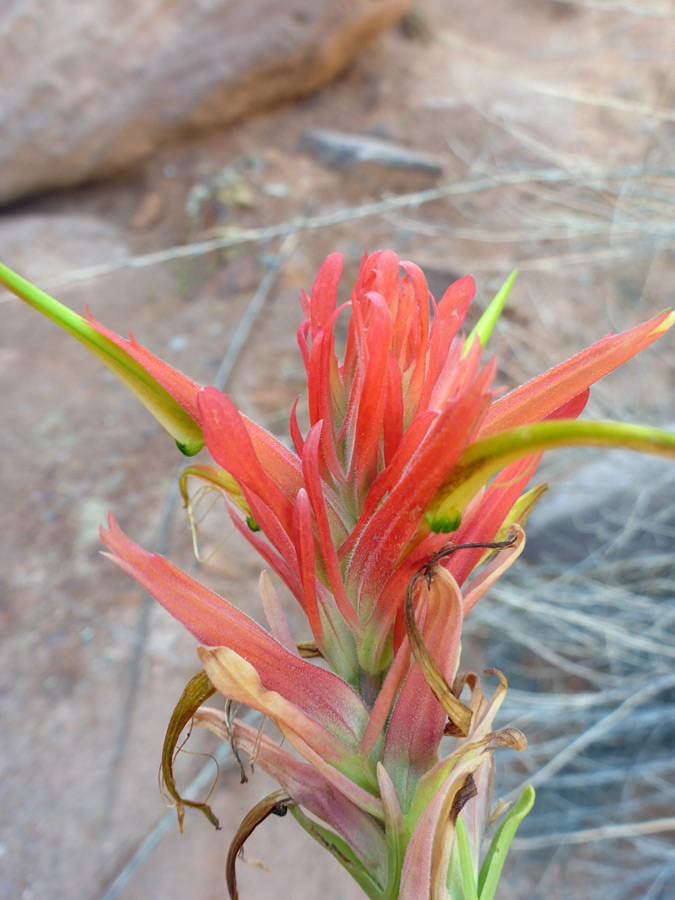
x,y
486,324
667,323
169,413
189,449
444,521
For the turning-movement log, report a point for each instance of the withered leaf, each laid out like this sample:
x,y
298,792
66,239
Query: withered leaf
x,y
308,650
467,792
276,804
459,715
510,737
196,691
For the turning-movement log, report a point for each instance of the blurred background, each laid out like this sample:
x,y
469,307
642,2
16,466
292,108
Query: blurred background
x,y
183,168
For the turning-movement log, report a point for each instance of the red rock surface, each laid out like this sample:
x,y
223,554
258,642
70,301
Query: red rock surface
x,y
89,89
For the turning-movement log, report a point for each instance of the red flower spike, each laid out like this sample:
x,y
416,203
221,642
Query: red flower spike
x,y
327,540
408,451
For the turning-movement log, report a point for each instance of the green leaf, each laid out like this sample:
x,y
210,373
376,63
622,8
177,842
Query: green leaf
x,y
216,479
486,457
465,862
341,851
169,413
486,324
496,856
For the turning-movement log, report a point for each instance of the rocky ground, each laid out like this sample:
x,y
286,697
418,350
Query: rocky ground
x,y
535,133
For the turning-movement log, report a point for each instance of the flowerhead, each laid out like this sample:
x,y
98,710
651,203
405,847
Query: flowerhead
x,y
410,455
392,466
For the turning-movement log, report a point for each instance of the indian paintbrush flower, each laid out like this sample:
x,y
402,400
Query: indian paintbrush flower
x,y
387,521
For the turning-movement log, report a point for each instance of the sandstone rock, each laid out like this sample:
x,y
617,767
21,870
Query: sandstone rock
x,y
88,89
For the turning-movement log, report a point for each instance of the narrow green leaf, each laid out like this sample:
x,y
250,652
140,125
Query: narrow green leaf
x,y
521,509
517,515
465,862
341,851
486,324
169,413
496,856
220,480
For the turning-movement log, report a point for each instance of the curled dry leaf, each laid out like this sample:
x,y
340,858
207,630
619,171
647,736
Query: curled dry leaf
x,y
467,792
457,712
196,691
460,716
277,804
510,737
500,675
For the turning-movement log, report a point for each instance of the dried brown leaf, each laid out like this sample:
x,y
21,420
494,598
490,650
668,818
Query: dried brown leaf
x,y
510,737
467,792
308,650
459,715
196,691
277,804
